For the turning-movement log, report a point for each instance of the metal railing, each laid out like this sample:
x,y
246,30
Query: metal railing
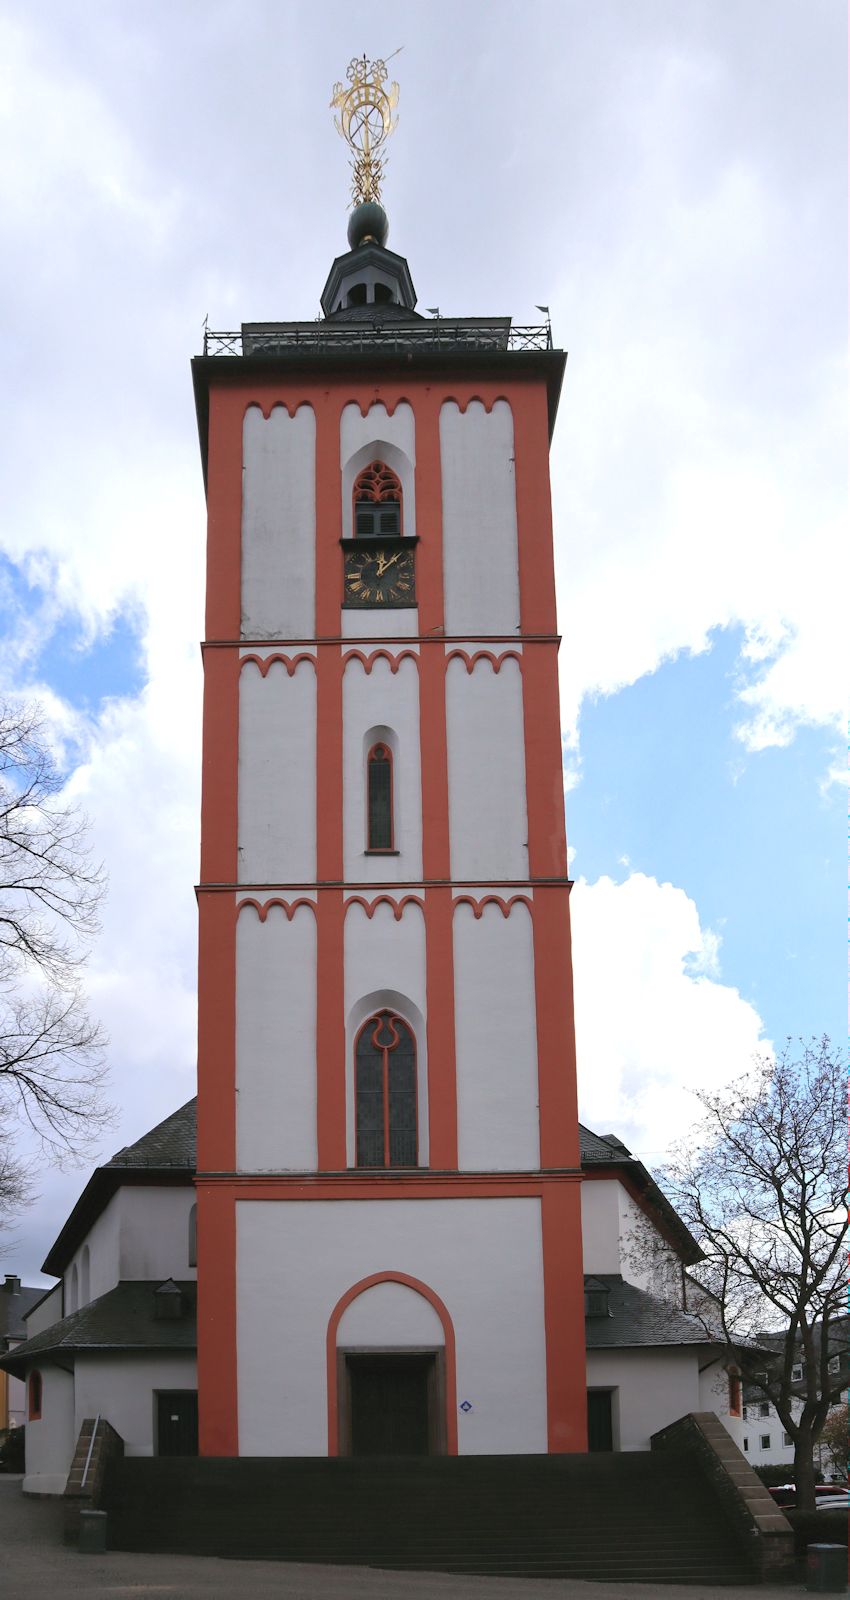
x,y
437,334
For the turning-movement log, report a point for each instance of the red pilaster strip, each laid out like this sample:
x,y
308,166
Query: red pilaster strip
x,y
544,770
220,766
218,1425
563,1293
556,1048
224,516
216,1033
330,1030
534,508
442,1070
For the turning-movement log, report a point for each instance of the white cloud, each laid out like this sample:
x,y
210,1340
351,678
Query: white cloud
x,y
653,1021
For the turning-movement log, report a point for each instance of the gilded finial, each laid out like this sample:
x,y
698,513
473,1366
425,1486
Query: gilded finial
x,y
366,108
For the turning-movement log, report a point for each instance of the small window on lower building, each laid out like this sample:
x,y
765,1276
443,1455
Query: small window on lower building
x,y
786,1438
797,1372
746,1443
764,1408
34,1405
764,1441
744,1413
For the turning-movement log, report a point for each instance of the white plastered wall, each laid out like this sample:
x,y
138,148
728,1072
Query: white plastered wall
x,y
480,555
295,1261
277,774
486,762
714,1396
276,1040
45,1314
279,524
385,967
653,1388
600,1225
495,1040
389,1315
647,1259
50,1439
122,1389
391,439
154,1237
104,1243
382,705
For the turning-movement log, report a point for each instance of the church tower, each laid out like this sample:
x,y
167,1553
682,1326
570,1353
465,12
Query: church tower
x,y
388,1162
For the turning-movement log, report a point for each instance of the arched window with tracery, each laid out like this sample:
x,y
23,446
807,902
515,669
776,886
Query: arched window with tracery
x,y
379,798
385,1093
377,502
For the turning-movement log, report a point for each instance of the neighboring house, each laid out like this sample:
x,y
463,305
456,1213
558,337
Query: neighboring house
x,y
766,1441
15,1302
649,1361
116,1336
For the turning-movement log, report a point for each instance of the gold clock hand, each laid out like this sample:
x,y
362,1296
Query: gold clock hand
x,y
390,562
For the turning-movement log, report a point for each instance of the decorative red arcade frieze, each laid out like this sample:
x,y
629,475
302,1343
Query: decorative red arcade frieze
x,y
368,661
264,662
484,655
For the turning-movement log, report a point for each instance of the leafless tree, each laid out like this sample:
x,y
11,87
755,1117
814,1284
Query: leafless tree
x,y
761,1182
834,1439
51,1051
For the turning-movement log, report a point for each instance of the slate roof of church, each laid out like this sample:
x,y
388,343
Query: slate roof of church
x,y
636,1318
170,1144
122,1319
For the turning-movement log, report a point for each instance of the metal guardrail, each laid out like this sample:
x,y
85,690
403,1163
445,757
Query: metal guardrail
x,y
438,334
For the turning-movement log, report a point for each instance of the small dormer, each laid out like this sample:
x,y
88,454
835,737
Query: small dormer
x,y
369,274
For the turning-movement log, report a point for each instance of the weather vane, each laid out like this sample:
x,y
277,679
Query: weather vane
x,y
366,119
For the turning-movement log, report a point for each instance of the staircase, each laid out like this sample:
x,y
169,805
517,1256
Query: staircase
x,y
645,1517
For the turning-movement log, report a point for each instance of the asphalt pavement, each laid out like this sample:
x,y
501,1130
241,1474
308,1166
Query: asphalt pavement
x,y
35,1565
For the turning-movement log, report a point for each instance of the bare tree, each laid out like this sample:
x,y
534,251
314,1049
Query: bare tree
x,y
761,1182
834,1439
51,1052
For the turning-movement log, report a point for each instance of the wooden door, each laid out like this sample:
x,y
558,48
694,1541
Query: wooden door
x,y
177,1422
390,1397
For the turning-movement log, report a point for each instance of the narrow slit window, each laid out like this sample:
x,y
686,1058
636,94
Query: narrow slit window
x,y
380,798
385,1093
377,503
35,1395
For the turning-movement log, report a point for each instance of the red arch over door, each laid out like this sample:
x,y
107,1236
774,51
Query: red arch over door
x,y
448,1333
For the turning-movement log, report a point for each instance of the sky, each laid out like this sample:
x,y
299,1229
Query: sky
x,y
668,176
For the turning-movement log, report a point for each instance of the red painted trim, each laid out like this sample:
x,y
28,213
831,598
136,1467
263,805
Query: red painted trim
x,y
401,1183
544,768
398,906
448,1333
216,1034
440,998
377,1020
263,907
496,900
330,1029
563,1310
224,513
218,1406
291,663
529,406
329,819
367,662
220,767
484,655
385,755
556,1048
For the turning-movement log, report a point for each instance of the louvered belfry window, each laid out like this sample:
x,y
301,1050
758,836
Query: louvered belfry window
x,y
377,503
385,1093
379,797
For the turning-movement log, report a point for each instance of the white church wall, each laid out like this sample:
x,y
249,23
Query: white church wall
x,y
48,1311
495,1039
103,1241
653,1387
277,774
296,1259
486,763
480,557
154,1231
276,1040
647,1260
600,1225
382,705
279,524
123,1388
714,1396
385,967
50,1439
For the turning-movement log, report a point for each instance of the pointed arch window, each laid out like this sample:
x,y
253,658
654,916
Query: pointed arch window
x,y
377,503
385,1093
35,1397
379,799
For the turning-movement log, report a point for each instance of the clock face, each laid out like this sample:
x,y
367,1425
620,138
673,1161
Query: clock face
x,y
379,575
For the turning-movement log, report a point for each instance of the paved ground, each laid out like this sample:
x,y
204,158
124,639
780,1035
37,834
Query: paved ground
x,y
35,1565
